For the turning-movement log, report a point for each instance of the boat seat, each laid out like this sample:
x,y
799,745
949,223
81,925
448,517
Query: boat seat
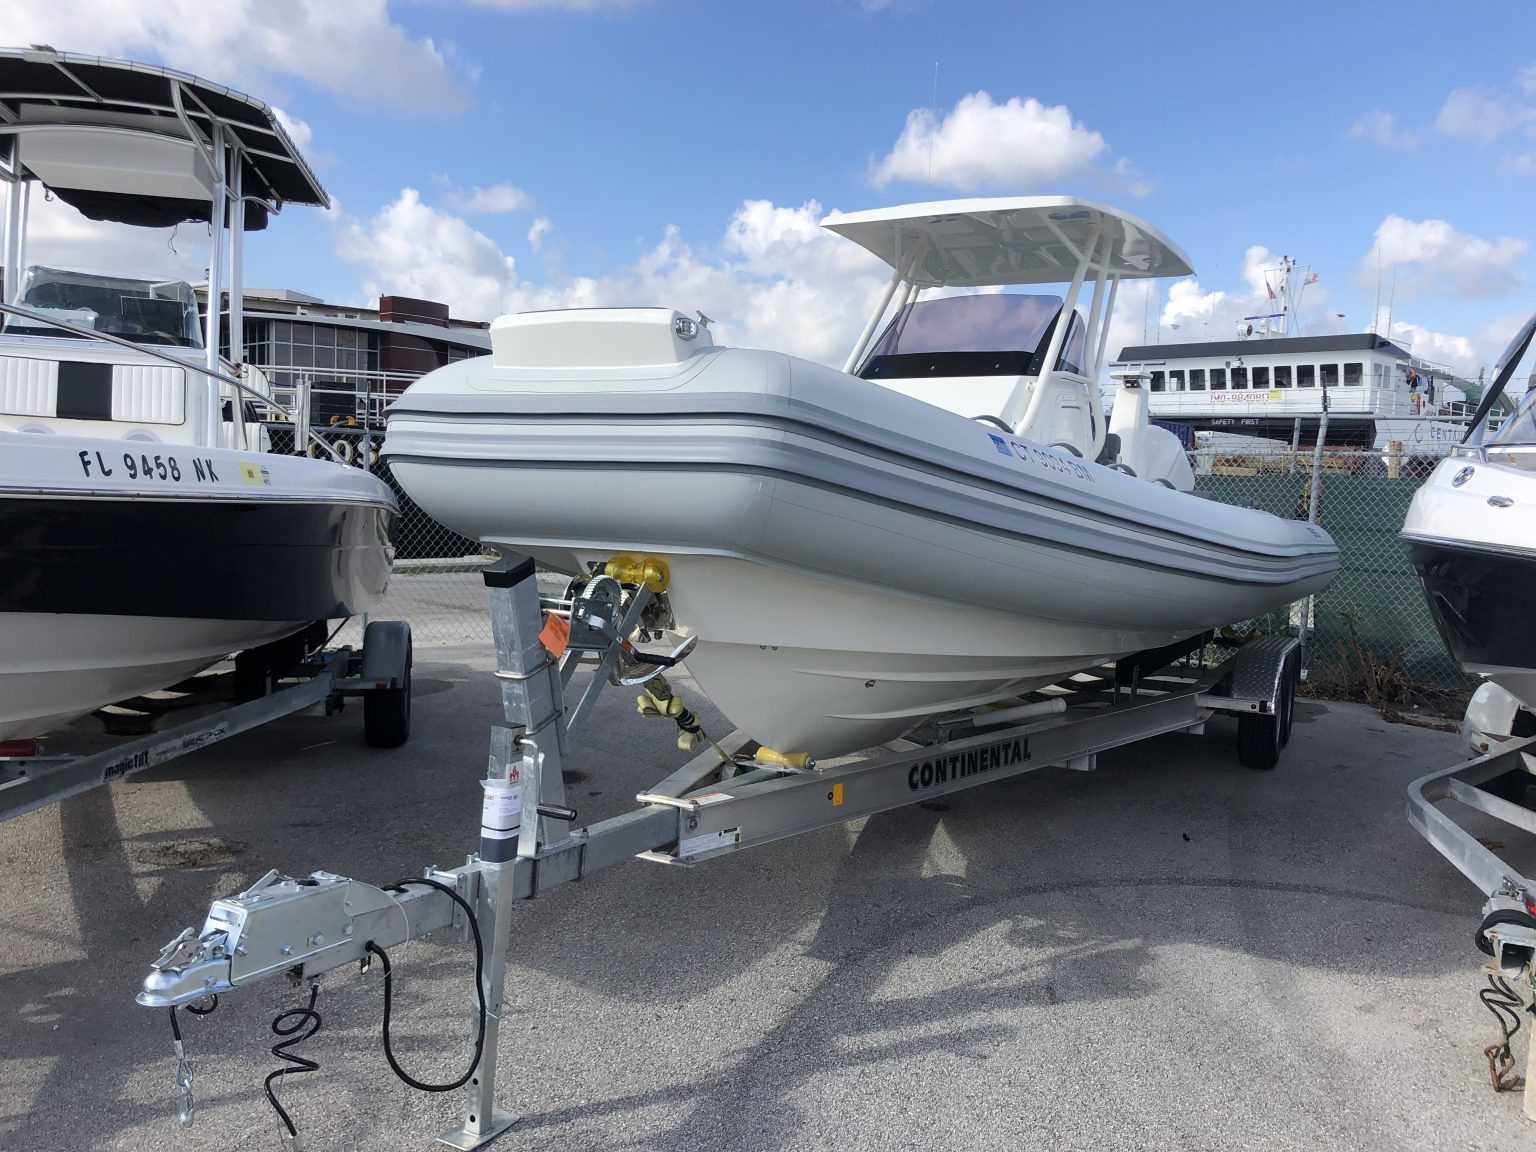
x,y
52,388
1111,450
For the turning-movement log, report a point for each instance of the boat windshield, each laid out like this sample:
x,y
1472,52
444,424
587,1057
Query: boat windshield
x,y
144,311
993,334
1521,427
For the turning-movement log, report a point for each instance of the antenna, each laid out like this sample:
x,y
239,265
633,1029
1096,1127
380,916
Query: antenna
x,y
934,112
1391,299
1375,311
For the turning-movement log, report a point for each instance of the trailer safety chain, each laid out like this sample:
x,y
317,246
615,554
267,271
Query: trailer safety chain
x,y
294,1026
1506,1005
183,1065
375,950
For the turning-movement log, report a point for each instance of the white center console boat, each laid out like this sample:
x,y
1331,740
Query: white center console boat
x,y
145,532
947,522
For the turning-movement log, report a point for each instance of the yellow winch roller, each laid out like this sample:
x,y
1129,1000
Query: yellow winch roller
x,y
652,571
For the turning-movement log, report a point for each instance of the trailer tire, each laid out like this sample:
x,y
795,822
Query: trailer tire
x,y
253,674
387,711
1260,737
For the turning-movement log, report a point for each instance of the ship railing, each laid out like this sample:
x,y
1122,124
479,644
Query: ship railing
x,y
344,396
303,435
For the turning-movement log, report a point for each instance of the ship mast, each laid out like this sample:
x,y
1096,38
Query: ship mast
x,y
1284,317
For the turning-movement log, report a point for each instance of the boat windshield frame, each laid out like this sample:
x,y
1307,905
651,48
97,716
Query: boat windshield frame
x,y
987,334
1518,430
163,313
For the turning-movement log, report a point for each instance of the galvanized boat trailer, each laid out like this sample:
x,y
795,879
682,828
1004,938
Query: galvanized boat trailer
x,y
379,673
1507,934
719,802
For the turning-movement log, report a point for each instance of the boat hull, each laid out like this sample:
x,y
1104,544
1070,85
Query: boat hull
x,y
117,584
1474,550
845,578
59,666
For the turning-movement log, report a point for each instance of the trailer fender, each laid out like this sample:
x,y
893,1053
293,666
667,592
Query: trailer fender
x,y
386,650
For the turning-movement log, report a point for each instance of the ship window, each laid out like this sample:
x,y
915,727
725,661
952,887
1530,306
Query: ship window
x,y
1330,375
1261,379
1353,374
1176,380
1239,379
1218,379
1197,379
1157,382
1306,376
1283,376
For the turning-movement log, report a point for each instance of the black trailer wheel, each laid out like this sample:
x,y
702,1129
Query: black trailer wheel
x,y
387,711
1261,736
253,674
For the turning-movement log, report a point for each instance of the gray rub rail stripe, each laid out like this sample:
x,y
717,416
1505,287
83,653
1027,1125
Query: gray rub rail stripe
x,y
1142,556
900,446
793,459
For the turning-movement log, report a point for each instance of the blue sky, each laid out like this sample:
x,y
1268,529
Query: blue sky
x,y
679,153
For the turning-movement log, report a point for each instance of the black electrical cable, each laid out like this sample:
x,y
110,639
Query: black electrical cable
x,y
474,927
305,1022
213,1002
1506,1006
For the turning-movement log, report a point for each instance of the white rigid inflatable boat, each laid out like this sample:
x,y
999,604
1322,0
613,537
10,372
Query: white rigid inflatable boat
x,y
851,559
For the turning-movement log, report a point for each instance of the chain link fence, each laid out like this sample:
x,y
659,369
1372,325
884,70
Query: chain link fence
x,y
1370,632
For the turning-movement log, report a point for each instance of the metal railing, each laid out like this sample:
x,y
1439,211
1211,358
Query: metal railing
x,y
301,428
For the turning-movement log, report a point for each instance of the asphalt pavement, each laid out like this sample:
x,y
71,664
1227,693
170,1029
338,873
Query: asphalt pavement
x,y
1170,952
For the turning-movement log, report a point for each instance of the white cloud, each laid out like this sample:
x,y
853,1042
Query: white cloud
x,y
298,130
1432,257
567,5
496,198
775,280
539,229
1523,164
353,50
1019,144
1382,128
412,248
1460,354
1473,114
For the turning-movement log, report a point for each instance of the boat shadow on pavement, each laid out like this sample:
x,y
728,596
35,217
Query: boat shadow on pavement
x,y
1170,950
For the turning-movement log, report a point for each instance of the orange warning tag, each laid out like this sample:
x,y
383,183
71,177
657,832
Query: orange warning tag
x,y
555,634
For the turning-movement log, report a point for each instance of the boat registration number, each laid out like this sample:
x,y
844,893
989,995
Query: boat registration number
x,y
1040,457
149,467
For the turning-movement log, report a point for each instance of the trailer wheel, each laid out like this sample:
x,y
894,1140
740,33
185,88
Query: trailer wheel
x,y
387,711
253,674
1261,736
